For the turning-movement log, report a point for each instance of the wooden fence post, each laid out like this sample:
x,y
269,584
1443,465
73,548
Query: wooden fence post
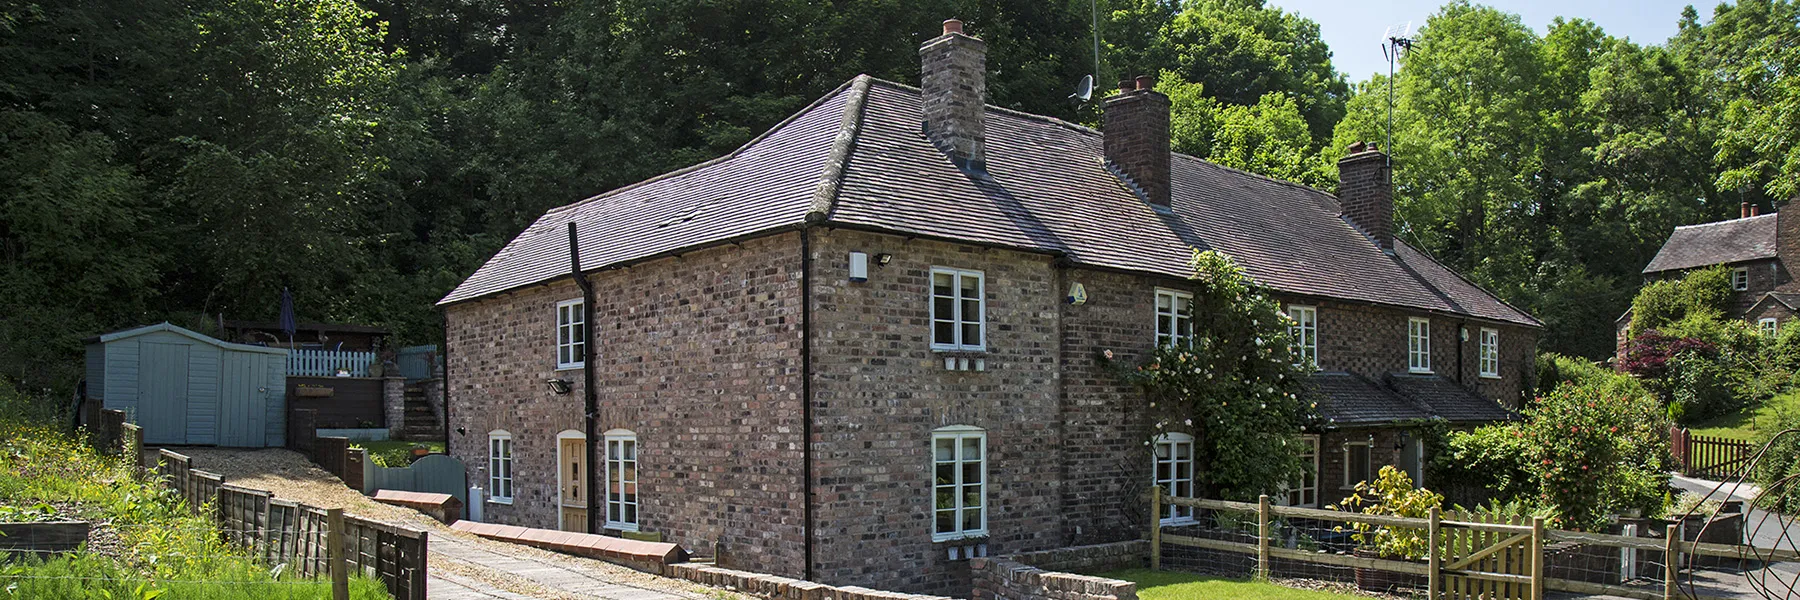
x,y
1537,558
1434,553
1155,527
1671,558
1262,537
334,551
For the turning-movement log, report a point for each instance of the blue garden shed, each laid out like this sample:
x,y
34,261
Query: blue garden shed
x,y
185,388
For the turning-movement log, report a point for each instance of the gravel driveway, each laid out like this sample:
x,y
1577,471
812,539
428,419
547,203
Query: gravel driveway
x,y
462,566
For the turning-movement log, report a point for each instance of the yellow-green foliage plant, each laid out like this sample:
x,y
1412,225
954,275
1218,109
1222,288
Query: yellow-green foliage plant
x,y
1391,494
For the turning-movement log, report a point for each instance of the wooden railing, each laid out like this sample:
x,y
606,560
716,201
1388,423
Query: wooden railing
x,y
326,363
1467,556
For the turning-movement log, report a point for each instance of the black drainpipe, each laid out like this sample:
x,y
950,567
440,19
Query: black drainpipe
x,y
444,376
1462,332
590,398
806,417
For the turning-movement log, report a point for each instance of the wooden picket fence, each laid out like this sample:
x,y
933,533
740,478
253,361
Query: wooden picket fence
x,y
301,536
325,363
1469,557
1710,457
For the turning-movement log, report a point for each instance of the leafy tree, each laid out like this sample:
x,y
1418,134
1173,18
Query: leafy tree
x,y
1269,138
1703,292
1235,385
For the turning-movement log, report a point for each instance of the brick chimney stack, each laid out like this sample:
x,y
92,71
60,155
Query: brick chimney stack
x,y
1136,135
1787,246
1366,192
954,91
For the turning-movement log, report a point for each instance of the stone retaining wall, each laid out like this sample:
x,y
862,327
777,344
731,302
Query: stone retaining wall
x,y
1039,576
777,587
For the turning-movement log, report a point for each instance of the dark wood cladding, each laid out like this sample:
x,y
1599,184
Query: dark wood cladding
x,y
355,401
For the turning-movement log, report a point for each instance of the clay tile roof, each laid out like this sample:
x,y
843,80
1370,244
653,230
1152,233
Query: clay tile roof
x,y
857,158
1351,399
1719,243
1446,399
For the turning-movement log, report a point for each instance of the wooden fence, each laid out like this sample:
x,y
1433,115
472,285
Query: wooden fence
x,y
325,363
1466,557
1708,456
282,532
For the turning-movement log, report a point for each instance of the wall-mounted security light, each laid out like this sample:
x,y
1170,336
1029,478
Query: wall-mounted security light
x,y
883,259
859,267
558,386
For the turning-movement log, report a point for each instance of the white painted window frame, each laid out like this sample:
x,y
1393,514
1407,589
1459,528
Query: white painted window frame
x,y
1368,466
956,434
570,322
1180,316
1309,457
617,460
1740,279
1418,345
1174,485
1305,331
500,467
957,317
1768,326
1490,353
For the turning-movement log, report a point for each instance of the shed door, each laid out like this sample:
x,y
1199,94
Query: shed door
x,y
163,392
243,394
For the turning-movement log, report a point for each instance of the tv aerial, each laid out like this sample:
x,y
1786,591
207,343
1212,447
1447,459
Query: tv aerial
x,y
1396,40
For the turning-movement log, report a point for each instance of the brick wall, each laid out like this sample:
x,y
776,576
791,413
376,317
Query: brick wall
x,y
1770,310
879,391
1041,576
393,405
1104,420
953,91
698,355
1137,140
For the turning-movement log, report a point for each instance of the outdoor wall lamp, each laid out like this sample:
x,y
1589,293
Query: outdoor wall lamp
x,y
558,386
883,259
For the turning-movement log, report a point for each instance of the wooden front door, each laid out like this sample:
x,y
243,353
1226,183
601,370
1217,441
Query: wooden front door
x,y
572,456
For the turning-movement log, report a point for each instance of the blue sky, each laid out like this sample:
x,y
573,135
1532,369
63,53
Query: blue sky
x,y
1353,29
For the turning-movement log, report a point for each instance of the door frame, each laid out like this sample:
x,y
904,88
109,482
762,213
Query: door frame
x,y
568,434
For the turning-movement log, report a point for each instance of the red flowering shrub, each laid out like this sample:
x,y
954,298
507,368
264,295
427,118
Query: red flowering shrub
x,y
1596,454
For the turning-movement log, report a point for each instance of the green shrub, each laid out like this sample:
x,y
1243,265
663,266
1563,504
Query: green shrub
x,y
1702,387
1556,369
1780,462
1495,458
1596,455
1661,303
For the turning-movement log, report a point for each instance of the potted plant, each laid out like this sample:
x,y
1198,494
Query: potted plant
x,y
1390,494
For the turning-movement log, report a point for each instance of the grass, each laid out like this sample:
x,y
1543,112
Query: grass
x,y
1746,424
1165,585
161,549
392,453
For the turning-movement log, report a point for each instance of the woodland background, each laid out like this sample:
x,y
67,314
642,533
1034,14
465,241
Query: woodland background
x,y
179,159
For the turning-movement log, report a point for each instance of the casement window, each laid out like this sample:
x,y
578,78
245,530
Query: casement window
x,y
1305,492
1174,473
1356,464
571,334
1768,326
1490,353
1740,278
1174,317
1305,330
959,482
621,480
957,308
1418,345
500,467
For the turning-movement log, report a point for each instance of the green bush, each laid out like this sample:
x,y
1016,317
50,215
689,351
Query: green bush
x,y
1556,369
1495,458
1661,303
1702,387
1596,454
1780,462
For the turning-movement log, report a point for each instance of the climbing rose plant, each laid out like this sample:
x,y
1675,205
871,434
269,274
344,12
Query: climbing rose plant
x,y
1235,386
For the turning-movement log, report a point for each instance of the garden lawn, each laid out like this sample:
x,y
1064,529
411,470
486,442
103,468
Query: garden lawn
x,y
1166,585
1746,424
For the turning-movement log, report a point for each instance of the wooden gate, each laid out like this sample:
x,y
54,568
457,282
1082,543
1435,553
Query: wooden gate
x,y
1480,561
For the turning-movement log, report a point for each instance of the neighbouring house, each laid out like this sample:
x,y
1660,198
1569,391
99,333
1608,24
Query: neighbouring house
x,y
186,388
1757,248
861,349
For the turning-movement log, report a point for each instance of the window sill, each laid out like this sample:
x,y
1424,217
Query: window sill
x,y
1419,371
573,367
504,501
982,351
973,536
1178,522
1494,376
631,527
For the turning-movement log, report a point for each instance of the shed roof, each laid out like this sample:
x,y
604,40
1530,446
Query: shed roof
x,y
1719,243
171,328
857,158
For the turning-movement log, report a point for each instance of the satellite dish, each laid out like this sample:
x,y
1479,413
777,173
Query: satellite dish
x,y
1085,89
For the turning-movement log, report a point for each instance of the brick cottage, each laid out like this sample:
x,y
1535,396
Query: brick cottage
x,y
1758,250
861,349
